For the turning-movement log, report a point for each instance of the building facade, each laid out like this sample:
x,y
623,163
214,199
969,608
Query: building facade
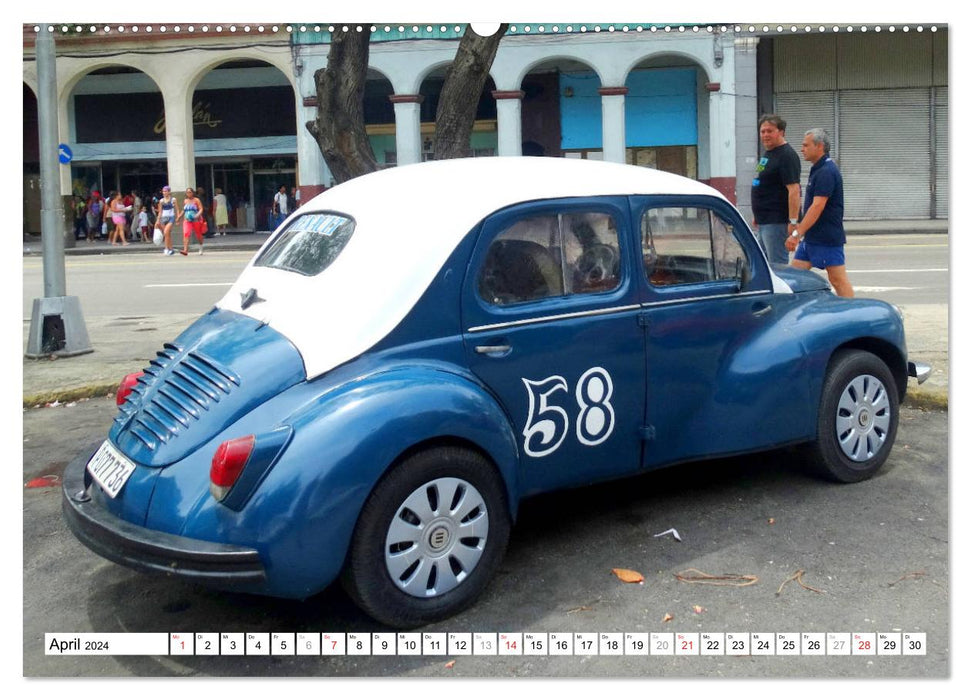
x,y
226,106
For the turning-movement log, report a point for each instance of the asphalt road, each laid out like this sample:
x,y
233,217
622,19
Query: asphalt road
x,y
877,553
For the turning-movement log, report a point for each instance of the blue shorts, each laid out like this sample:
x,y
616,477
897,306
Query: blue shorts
x,y
821,256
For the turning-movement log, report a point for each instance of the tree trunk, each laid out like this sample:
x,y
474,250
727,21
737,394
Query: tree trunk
x,y
464,81
339,125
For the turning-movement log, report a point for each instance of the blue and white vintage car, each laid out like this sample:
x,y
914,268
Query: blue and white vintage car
x,y
416,351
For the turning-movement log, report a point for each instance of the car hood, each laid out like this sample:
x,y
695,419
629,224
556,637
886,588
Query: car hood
x,y
800,280
220,368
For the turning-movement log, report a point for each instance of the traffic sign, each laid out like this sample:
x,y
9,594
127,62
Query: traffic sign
x,y
64,153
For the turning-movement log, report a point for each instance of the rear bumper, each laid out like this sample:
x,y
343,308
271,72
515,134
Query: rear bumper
x,y
919,370
207,563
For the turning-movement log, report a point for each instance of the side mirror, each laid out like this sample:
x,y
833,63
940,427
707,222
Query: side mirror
x,y
743,275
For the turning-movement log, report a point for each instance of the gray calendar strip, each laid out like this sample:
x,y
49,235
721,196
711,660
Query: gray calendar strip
x,y
454,644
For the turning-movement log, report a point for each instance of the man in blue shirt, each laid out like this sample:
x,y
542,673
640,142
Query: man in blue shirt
x,y
819,239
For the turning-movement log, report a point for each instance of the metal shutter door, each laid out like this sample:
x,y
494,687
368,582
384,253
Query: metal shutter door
x,y
885,153
941,160
804,111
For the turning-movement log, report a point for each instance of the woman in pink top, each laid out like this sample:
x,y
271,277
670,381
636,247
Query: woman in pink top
x,y
117,210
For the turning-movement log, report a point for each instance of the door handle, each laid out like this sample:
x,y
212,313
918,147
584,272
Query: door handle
x,y
493,349
760,310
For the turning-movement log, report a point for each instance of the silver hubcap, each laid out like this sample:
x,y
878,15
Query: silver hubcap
x,y
863,418
436,537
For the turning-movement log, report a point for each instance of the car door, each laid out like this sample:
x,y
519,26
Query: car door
x,y
708,308
550,310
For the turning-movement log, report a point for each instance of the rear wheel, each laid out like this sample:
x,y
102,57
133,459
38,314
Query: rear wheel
x,y
429,538
858,415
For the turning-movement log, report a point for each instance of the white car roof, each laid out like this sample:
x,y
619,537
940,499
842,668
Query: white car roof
x,y
408,221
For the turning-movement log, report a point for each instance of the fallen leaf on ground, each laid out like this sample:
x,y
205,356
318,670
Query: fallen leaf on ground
x,y
667,617
771,521
698,609
628,576
450,664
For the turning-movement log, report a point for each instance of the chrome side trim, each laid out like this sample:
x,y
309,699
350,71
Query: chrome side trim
x,y
556,317
682,300
612,310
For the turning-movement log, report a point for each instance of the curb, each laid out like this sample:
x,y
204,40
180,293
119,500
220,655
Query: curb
x,y
924,399
91,391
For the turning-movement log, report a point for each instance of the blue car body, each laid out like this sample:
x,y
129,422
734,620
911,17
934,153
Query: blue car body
x,y
555,392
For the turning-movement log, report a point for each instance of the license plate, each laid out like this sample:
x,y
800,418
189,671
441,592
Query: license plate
x,y
110,468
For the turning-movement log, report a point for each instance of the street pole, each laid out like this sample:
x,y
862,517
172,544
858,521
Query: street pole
x,y
56,324
50,191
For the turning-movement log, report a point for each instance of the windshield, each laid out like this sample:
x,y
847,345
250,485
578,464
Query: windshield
x,y
309,244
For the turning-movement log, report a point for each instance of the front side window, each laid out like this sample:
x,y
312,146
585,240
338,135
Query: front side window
x,y
689,245
309,244
551,255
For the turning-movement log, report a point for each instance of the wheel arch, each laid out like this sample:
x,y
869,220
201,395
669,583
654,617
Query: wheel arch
x,y
462,443
886,351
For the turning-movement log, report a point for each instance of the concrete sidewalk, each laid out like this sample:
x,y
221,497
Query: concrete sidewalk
x,y
244,240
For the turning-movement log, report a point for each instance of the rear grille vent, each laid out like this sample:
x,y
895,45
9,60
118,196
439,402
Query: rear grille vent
x,y
175,391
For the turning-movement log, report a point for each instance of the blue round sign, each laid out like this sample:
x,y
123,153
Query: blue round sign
x,y
64,153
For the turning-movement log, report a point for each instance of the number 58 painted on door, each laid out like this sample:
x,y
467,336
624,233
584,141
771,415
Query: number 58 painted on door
x,y
548,423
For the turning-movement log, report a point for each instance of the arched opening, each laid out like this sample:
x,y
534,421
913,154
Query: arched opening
x,y
666,116
484,138
116,117
561,114
244,131
379,117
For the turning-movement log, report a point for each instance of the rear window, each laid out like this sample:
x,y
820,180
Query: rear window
x,y
309,244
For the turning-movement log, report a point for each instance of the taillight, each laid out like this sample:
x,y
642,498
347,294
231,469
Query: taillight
x,y
228,463
127,384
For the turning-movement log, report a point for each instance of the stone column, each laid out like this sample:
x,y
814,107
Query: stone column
x,y
614,129
179,149
746,121
313,174
407,126
721,119
510,121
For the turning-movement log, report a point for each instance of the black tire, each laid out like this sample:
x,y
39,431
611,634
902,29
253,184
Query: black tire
x,y
462,565
857,421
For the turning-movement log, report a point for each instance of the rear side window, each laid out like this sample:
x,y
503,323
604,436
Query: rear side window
x,y
309,244
552,255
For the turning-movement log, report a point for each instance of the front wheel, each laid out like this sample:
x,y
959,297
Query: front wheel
x,y
858,415
429,538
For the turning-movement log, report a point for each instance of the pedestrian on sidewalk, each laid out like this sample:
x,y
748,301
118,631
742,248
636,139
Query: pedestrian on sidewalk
x,y
280,207
165,218
775,189
94,214
118,219
221,211
193,212
143,226
80,226
820,238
